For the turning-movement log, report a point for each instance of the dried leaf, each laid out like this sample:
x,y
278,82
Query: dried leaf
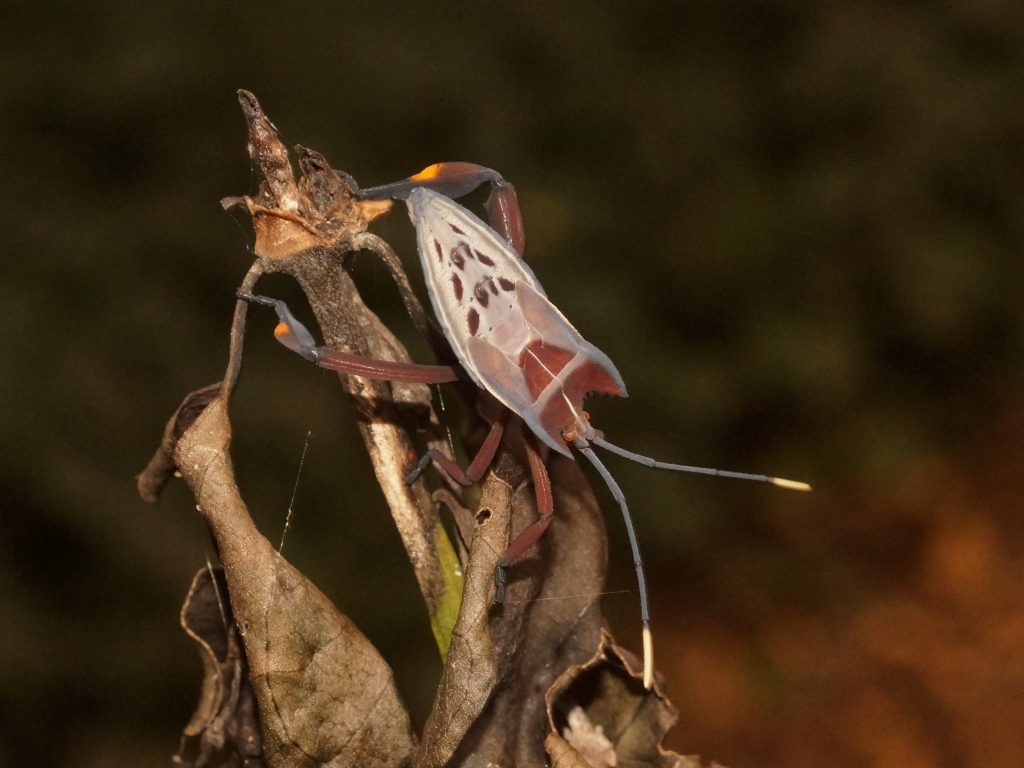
x,y
224,731
609,690
161,468
326,698
563,754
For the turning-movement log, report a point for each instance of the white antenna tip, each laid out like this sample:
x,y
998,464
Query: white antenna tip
x,y
648,658
793,485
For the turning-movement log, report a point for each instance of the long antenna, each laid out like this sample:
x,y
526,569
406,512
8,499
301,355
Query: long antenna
x,y
645,616
647,461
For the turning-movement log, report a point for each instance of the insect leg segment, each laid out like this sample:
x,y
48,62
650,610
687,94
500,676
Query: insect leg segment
x,y
294,335
455,180
476,468
532,533
289,331
449,179
505,216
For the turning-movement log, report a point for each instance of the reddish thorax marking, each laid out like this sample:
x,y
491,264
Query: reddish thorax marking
x,y
559,381
542,364
564,405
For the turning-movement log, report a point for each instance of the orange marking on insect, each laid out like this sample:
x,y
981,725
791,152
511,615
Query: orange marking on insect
x,y
429,173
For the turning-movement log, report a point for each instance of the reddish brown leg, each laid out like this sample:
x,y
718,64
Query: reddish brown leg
x,y
382,370
457,179
476,468
297,338
505,216
529,535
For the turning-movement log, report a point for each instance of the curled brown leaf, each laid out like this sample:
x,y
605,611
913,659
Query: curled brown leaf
x,y
325,695
608,688
224,732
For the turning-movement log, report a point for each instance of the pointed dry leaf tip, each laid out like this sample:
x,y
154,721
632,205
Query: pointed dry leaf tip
x,y
793,485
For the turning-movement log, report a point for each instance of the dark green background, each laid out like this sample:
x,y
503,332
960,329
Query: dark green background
x,y
795,226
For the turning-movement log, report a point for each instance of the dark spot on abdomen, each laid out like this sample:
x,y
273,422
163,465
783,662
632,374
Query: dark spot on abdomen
x,y
481,295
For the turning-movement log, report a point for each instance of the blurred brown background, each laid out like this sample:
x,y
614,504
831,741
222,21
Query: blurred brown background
x,y
795,226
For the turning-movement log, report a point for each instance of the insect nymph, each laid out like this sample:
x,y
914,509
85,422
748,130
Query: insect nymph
x,y
510,340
